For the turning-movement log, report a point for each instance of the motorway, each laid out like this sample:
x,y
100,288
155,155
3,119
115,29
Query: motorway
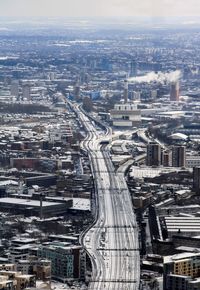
x,y
112,241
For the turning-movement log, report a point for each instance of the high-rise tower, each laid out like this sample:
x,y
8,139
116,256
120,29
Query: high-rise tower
x,y
174,91
178,156
153,154
26,92
14,88
196,179
125,91
77,91
133,69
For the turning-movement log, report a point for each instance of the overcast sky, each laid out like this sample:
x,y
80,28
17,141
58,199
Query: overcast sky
x,y
79,8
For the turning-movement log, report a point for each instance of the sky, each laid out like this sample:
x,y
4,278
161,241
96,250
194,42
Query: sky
x,y
101,8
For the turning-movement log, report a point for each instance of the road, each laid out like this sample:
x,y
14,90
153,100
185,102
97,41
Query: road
x,y
112,242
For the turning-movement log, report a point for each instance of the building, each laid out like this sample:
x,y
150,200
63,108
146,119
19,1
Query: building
x,y
180,269
194,284
43,180
61,133
41,269
135,96
14,89
34,207
125,92
26,92
25,281
125,115
133,69
192,161
187,226
196,179
16,281
153,154
68,262
19,249
174,92
180,282
166,158
178,156
7,284
77,91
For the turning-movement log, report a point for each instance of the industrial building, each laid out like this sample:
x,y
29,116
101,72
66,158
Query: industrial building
x,y
186,226
125,115
34,207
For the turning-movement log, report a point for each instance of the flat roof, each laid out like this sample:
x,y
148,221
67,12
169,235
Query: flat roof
x,y
81,204
24,240
64,237
183,223
181,256
195,281
27,202
188,249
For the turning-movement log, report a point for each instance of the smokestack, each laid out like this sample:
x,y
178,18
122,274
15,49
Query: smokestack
x,y
125,91
174,91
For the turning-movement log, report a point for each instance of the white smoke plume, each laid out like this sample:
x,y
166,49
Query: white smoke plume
x,y
159,77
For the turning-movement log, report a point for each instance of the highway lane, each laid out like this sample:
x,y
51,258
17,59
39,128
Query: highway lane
x,y
112,242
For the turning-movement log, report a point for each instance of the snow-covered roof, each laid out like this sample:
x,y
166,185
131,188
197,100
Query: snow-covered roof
x,y
178,136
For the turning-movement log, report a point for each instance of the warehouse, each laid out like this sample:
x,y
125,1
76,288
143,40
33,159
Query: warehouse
x,y
33,207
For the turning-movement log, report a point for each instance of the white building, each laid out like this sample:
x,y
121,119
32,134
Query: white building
x,y
125,115
60,133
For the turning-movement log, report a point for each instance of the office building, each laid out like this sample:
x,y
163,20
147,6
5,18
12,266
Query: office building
x,y
196,179
178,156
153,154
174,92
68,261
133,69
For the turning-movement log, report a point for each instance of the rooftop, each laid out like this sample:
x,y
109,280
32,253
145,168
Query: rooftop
x,y
26,202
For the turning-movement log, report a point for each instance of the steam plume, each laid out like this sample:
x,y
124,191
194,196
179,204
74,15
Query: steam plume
x,y
159,77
